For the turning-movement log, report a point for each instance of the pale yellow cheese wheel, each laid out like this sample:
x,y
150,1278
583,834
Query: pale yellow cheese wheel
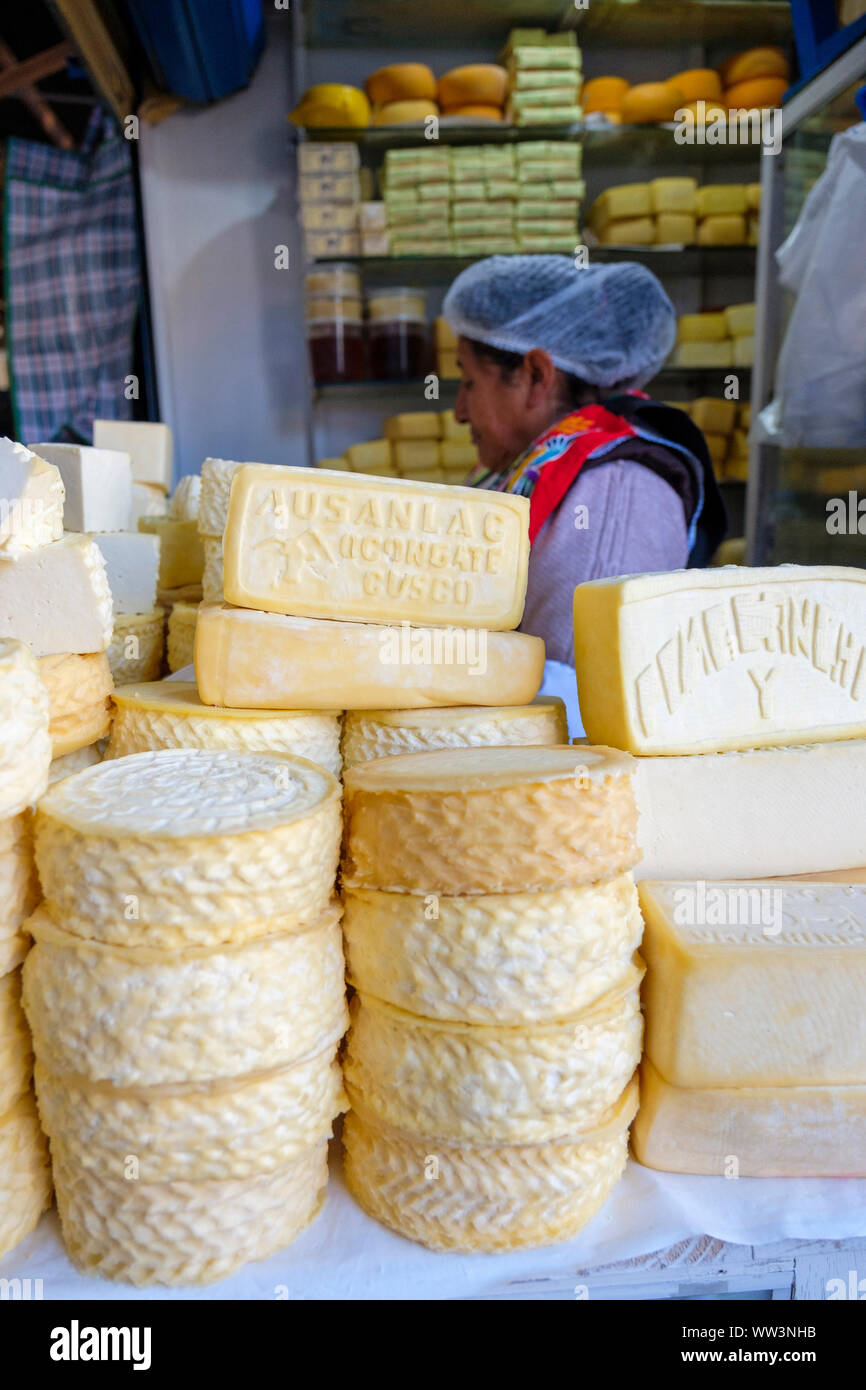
x,y
25,1174
79,688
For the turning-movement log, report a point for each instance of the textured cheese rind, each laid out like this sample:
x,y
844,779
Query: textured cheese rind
x,y
507,958
480,1200
700,661
491,1085
25,1174
268,661
181,636
213,505
500,820
19,885
73,587
78,688
212,578
369,734
25,743
755,984
772,1131
147,1018
169,714
16,1055
137,646
178,1233
74,762
227,1130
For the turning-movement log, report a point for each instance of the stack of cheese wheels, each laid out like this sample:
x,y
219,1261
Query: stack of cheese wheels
x,y
25,755
169,714
186,998
386,733
491,923
137,646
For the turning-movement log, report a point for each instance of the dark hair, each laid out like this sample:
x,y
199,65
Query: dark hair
x,y
575,391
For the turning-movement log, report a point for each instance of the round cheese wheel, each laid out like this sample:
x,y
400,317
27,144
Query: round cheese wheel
x,y
604,94
754,62
699,84
478,111
476,84
401,82
711,110
399,112
756,91
651,101
332,104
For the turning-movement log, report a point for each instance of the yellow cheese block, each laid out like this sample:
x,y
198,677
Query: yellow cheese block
x,y
722,199
754,984
704,354
489,820
418,424
714,415
370,457
370,734
25,1173
604,94
701,328
16,1057
169,714
504,958
444,334
212,578
137,646
718,448
751,1131
753,225
675,227
25,740
699,84
401,82
744,416
699,661
754,62
755,93
673,195
189,846
627,200
753,197
475,1085
19,886
744,351
722,230
79,688
181,558
320,545
330,105
651,101
485,1199
417,455
452,432
447,365
338,465
629,231
458,456
181,635
267,661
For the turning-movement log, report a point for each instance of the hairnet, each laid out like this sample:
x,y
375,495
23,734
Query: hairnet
x,y
612,325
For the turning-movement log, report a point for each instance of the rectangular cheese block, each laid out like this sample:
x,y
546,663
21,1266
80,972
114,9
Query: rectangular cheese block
x,y
372,456
722,230
329,217
57,599
330,188
181,553
331,157
252,660
713,414
750,1131
322,244
447,365
416,455
776,811
148,444
699,661
675,228
701,328
721,198
31,500
744,415
318,545
625,200
372,218
705,354
418,424
674,195
375,244
755,984
740,319
98,485
454,455
737,468
629,231
132,565
717,444
744,351
452,431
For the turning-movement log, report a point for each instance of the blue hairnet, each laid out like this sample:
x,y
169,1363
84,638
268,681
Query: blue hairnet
x,y
612,325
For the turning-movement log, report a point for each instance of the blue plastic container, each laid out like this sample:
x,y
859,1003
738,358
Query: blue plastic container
x,y
201,49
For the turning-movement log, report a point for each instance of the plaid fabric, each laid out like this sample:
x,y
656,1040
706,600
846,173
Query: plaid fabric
x,y
72,282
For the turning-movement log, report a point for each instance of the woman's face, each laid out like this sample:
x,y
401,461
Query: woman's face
x,y
499,407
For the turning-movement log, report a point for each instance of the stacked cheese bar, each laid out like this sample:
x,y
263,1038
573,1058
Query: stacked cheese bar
x,y
445,343
186,997
725,427
671,211
483,199
425,446
550,192
725,338
329,189
544,77
25,755
743,691
491,922
416,190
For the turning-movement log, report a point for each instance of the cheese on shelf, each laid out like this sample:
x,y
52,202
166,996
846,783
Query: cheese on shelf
x,y
267,661
137,646
147,444
25,743
721,199
704,354
31,500
740,319
419,424
722,230
169,714
673,195
767,1131
181,556
180,635
674,228
98,484
714,415
25,1173
755,984
213,504
132,565
315,544
416,455
78,688
57,599
700,661
489,820
777,811
701,328
373,456
369,734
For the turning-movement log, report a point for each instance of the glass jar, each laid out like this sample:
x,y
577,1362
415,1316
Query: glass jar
x,y
336,349
339,278
398,340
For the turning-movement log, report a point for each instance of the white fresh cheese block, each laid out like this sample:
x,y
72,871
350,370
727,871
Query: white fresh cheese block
x,y
148,444
185,498
147,500
57,599
774,812
132,564
31,500
98,485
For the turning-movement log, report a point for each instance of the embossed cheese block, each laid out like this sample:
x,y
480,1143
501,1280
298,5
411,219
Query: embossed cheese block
x,y
232,1128
25,743
751,1131
179,1233
485,1199
32,491
489,820
16,1054
180,636
25,1175
699,661
189,846
369,734
319,544
474,1084
133,1016
777,811
57,599
169,714
268,661
755,984
216,485
212,578
19,886
137,646
79,689
74,762
505,958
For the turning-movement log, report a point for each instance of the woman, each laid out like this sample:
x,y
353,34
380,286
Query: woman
x,y
550,358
